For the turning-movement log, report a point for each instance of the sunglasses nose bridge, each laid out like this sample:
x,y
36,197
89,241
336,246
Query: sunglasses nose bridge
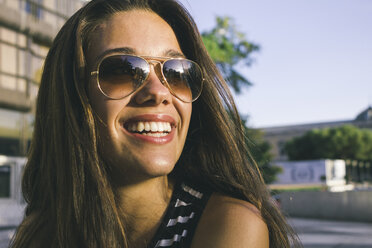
x,y
158,69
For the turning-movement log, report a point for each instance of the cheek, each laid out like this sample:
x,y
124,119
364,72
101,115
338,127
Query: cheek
x,y
188,113
188,120
186,116
102,108
96,99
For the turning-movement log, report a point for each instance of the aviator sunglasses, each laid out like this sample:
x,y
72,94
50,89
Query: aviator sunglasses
x,y
120,75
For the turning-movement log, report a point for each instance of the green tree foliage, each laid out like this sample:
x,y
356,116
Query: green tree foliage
x,y
229,49
260,151
345,142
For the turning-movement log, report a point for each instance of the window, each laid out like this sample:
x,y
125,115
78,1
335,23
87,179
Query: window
x,y
4,181
281,147
15,132
13,60
33,7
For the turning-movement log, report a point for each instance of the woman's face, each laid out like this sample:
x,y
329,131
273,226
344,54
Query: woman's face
x,y
131,154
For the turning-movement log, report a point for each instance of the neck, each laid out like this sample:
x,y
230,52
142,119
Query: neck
x,y
142,206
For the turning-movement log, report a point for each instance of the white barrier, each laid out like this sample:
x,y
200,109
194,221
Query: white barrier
x,y
348,205
11,200
323,172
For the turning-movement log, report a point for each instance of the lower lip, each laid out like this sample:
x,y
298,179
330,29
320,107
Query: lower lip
x,y
151,139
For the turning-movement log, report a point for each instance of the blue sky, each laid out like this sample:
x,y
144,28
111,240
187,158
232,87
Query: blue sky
x,y
315,62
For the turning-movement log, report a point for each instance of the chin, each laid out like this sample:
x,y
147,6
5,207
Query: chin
x,y
156,168
136,170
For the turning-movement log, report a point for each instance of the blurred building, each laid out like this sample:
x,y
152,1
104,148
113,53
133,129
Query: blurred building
x,y
278,136
27,28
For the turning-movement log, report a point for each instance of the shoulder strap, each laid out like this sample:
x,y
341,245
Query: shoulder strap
x,y
182,216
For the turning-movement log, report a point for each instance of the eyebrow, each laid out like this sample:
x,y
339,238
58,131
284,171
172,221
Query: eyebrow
x,y
173,53
128,50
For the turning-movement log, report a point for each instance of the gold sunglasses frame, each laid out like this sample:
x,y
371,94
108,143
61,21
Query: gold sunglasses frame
x,y
150,60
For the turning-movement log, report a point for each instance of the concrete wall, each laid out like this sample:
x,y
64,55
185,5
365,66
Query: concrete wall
x,y
349,205
11,213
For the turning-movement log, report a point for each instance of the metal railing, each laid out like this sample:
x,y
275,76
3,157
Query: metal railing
x,y
358,171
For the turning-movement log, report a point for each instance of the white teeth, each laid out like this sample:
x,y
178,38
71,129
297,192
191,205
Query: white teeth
x,y
140,127
147,127
132,128
156,134
161,128
154,126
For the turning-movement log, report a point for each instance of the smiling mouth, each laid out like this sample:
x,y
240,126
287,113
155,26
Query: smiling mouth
x,y
154,129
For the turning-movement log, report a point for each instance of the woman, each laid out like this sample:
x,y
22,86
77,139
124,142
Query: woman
x,y
137,141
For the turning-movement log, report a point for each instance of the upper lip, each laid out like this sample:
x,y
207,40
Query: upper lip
x,y
150,118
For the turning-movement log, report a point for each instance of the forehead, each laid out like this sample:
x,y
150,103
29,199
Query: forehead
x,y
142,31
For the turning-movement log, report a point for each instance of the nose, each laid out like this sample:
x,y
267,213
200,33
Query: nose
x,y
153,92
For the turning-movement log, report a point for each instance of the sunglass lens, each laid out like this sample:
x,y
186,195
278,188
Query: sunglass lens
x,y
120,75
184,78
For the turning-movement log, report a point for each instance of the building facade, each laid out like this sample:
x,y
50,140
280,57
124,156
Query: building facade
x,y
27,28
278,136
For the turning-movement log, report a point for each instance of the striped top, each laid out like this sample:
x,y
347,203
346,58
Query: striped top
x,y
181,217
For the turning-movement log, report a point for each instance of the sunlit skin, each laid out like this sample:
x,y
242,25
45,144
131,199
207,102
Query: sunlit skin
x,y
135,157
139,166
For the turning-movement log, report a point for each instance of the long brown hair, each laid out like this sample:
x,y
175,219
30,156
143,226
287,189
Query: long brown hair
x,y
67,187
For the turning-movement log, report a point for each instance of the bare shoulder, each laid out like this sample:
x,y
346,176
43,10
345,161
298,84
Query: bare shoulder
x,y
230,222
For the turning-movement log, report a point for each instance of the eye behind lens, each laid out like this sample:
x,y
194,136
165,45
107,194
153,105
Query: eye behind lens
x,y
120,75
184,77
